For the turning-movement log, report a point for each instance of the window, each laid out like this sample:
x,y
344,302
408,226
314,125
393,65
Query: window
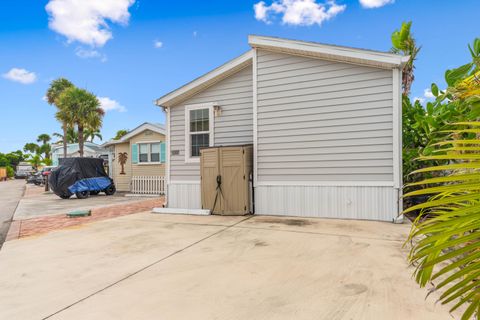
x,y
199,130
155,152
143,154
148,152
199,141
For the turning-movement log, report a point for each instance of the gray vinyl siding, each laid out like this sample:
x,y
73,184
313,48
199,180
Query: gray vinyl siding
x,y
233,127
322,120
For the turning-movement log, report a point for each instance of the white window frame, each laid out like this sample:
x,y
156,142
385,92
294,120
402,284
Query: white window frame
x,y
188,149
149,162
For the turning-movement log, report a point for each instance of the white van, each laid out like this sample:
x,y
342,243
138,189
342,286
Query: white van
x,y
24,169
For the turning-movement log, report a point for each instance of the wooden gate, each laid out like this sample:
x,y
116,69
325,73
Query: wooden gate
x,y
225,173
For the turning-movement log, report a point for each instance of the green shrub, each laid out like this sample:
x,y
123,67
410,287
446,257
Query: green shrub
x,y
10,172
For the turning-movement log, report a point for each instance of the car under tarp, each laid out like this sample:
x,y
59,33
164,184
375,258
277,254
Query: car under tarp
x,y
80,176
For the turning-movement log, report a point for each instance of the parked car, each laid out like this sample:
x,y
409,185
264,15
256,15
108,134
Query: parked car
x,y
37,179
47,170
23,174
24,169
80,176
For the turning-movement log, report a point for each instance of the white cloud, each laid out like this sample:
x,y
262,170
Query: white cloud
x,y
157,44
108,104
195,33
427,93
85,21
298,12
420,99
261,11
20,75
370,4
90,53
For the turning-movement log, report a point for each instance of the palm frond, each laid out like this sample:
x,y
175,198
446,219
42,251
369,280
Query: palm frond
x,y
446,234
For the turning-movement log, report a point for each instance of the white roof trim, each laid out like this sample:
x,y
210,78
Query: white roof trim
x,y
330,52
144,126
206,80
311,49
85,147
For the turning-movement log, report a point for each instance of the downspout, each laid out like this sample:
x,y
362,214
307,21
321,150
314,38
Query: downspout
x,y
167,150
399,184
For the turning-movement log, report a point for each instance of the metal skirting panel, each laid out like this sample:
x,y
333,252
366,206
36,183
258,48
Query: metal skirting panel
x,y
184,196
341,202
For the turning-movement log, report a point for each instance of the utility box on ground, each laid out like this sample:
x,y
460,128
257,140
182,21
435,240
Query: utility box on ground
x,y
226,173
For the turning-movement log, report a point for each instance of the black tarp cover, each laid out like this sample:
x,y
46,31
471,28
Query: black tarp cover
x,y
71,170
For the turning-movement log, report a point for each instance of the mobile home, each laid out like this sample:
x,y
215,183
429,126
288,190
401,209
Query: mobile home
x,y
324,121
138,160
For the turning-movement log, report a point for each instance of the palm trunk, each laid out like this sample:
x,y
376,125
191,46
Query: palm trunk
x,y
80,140
64,127
407,80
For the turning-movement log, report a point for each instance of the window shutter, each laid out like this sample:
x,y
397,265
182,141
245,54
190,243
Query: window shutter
x,y
134,153
163,153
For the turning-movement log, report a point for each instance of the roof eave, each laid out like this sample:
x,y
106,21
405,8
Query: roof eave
x,y
144,126
207,79
110,143
361,56
404,61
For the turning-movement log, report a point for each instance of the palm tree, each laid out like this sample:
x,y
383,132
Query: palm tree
x,y
45,148
59,136
31,147
44,138
90,135
35,161
80,108
404,43
120,133
54,91
72,135
445,235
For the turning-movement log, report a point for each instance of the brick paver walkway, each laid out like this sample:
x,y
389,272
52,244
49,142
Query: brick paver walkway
x,y
30,227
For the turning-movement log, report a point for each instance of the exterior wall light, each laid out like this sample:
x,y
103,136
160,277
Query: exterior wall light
x,y
217,110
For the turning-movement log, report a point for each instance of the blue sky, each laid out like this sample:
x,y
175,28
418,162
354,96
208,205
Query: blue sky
x,y
151,47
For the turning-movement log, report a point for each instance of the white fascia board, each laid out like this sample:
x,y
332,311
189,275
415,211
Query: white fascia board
x,y
139,129
255,117
218,72
397,126
328,51
167,169
111,143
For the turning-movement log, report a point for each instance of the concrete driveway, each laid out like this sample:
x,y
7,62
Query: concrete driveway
x,y
152,266
37,203
10,194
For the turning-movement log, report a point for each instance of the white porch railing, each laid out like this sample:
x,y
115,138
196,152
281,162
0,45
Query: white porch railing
x,y
148,185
